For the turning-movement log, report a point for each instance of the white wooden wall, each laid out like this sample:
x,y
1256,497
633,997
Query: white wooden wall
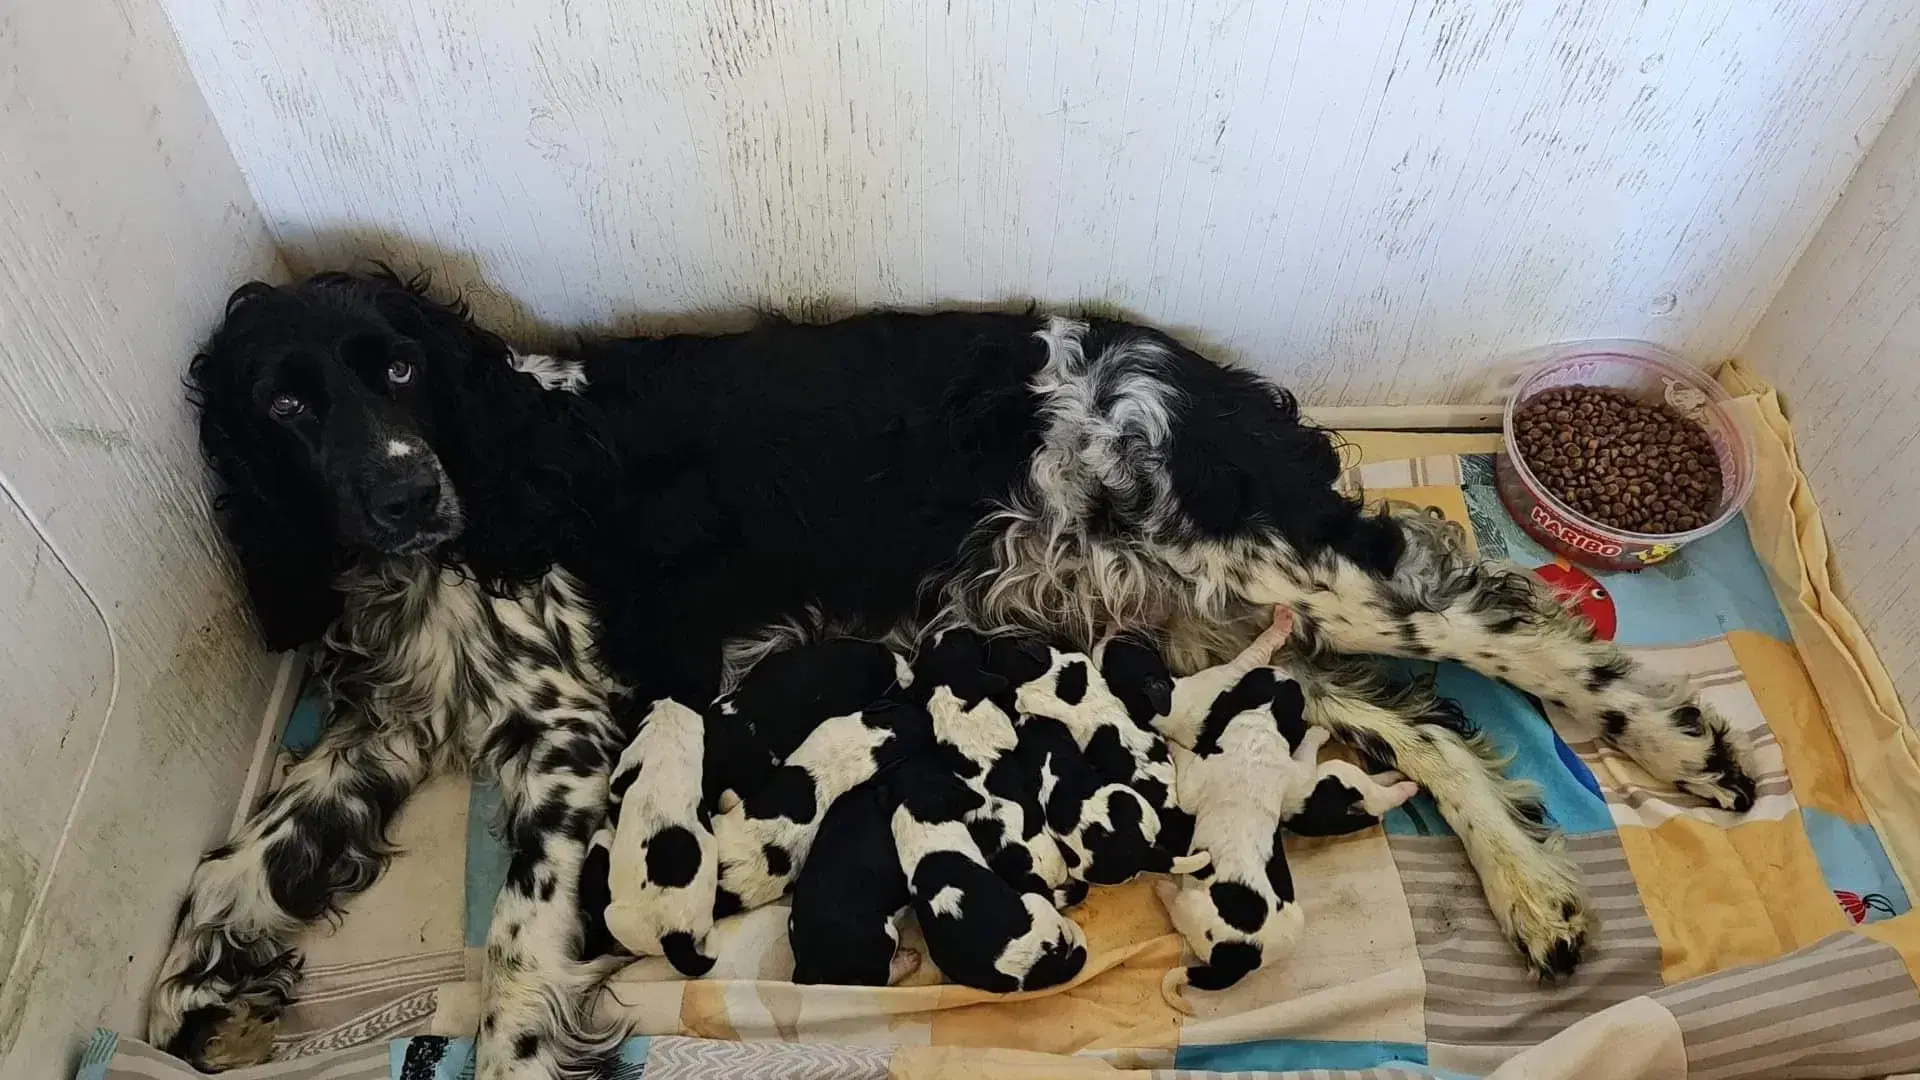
x,y
1367,198
1842,342
123,223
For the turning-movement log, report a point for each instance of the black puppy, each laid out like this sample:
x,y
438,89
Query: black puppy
x,y
781,700
850,895
787,694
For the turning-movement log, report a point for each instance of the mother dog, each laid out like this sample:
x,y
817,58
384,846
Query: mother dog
x,y
490,543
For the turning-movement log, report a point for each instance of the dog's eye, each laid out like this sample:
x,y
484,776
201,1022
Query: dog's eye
x,y
284,405
400,372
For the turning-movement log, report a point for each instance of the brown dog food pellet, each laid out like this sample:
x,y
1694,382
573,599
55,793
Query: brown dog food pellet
x,y
1626,463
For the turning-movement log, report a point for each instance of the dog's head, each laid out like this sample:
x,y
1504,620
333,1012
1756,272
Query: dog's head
x,y
327,411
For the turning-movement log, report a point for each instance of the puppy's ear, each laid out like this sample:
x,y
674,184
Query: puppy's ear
x,y
1159,695
272,520
1019,660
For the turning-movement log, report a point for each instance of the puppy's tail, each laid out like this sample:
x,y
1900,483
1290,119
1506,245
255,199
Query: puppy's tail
x,y
1171,986
684,955
1190,864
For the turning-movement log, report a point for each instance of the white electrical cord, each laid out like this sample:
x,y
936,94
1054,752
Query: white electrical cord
x,y
29,924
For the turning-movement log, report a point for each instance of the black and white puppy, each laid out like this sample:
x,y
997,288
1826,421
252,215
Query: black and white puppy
x,y
1246,762
1344,798
764,841
975,737
782,698
980,931
786,694
662,872
1239,913
1066,689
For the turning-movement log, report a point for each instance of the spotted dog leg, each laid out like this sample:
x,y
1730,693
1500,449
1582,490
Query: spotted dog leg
x,y
1534,890
539,993
319,839
1501,620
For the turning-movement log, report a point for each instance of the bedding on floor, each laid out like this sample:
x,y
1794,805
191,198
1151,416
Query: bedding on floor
x,y
1776,943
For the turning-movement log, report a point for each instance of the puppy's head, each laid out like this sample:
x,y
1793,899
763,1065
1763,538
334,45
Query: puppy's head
x,y
1138,675
1121,837
324,409
957,660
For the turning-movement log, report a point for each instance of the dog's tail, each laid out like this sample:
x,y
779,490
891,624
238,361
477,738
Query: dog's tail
x,y
1190,864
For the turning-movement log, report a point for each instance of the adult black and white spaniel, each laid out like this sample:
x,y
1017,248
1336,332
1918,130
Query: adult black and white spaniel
x,y
463,527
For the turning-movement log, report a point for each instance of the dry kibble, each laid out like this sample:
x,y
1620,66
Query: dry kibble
x,y
1627,463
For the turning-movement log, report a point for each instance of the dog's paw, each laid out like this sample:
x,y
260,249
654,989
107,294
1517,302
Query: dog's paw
x,y
1725,776
1552,931
904,963
1689,746
219,998
215,1038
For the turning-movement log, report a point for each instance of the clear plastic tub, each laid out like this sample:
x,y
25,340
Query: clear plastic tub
x,y
1652,374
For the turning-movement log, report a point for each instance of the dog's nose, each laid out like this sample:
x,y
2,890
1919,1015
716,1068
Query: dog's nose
x,y
403,501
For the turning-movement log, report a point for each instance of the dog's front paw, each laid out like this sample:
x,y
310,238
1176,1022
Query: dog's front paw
x,y
214,1038
219,998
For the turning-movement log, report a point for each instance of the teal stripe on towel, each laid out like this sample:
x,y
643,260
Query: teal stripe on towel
x,y
486,860
1287,1055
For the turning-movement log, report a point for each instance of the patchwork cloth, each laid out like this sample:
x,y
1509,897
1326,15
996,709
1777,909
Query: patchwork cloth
x,y
1779,943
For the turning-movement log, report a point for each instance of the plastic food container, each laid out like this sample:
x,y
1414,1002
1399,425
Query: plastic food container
x,y
1653,374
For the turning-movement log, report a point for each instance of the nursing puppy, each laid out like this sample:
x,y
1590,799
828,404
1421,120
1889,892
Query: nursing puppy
x,y
980,931
1066,688
850,897
781,700
1239,914
975,738
1343,799
764,841
1346,799
785,695
662,872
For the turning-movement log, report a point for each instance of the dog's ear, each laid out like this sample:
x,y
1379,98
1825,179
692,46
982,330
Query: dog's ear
x,y
273,524
444,329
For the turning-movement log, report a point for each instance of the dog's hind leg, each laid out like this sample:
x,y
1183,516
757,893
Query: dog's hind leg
x,y
1440,602
1534,889
539,993
320,838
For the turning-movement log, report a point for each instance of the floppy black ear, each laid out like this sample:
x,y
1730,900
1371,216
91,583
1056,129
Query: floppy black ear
x,y
271,520
1159,695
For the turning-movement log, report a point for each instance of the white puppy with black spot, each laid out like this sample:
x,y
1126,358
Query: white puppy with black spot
x,y
1245,763
662,864
763,841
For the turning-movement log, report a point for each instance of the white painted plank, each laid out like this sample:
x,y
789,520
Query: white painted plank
x,y
1842,343
55,652
1369,200
123,223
